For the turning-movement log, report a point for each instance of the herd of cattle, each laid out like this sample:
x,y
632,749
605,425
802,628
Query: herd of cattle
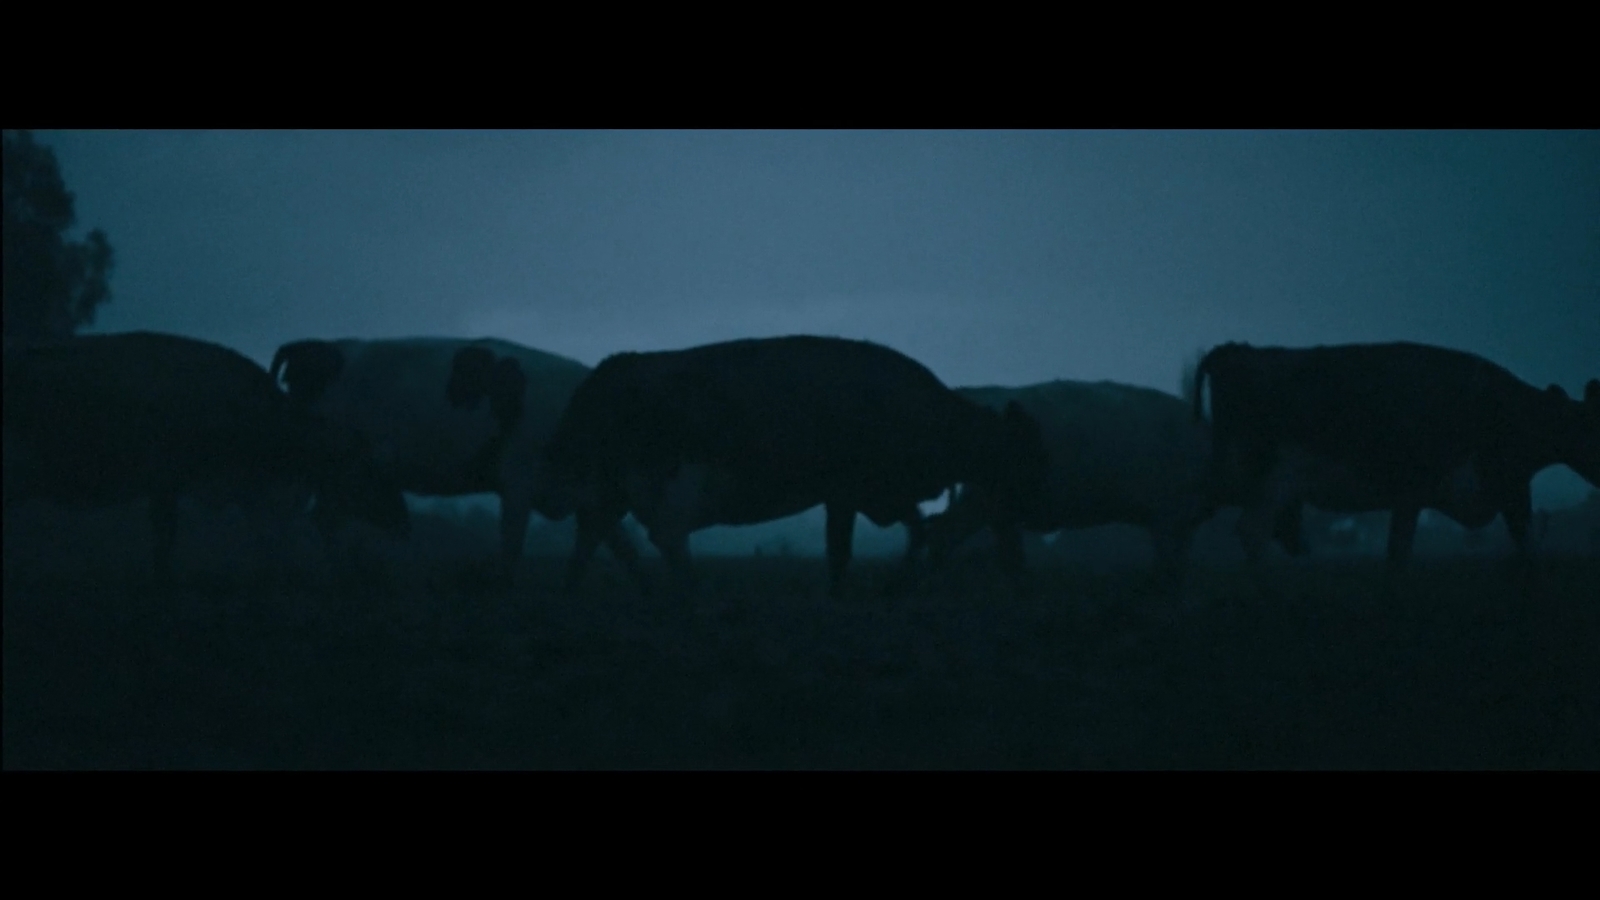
x,y
750,431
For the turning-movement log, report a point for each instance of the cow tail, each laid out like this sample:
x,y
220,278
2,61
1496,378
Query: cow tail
x,y
278,359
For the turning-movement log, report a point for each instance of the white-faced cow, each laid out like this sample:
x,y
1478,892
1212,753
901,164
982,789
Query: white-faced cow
x,y
1411,423
100,420
421,404
749,431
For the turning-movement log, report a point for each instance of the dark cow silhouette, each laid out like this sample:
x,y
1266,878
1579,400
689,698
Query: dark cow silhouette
x,y
1118,454
105,419
1410,422
1134,455
420,402
1334,488
749,431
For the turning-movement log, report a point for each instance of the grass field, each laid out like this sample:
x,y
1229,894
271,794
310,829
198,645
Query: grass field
x,y
426,667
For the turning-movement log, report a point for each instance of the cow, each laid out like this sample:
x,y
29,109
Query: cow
x,y
421,403
1119,453
99,420
748,431
1336,488
1126,454
1410,422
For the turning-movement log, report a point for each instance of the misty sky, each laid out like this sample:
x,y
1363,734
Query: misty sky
x,y
993,257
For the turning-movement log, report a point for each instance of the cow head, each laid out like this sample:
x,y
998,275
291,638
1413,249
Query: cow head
x,y
475,373
307,367
1576,430
1588,452
1017,461
351,484
968,510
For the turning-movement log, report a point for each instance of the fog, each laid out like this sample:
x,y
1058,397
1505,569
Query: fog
x,y
993,257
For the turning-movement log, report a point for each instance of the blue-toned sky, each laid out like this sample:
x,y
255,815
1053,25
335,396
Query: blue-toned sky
x,y
993,257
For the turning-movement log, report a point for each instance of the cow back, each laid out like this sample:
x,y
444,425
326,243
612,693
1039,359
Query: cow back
x,y
103,416
823,413
1395,414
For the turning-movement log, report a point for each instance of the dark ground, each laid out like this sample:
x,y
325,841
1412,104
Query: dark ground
x,y
435,671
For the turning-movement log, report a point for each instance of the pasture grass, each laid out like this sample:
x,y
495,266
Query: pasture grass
x,y
427,664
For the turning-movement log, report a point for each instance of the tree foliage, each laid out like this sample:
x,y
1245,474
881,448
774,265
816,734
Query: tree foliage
x,y
53,286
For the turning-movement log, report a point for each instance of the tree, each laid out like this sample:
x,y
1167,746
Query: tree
x,y
52,285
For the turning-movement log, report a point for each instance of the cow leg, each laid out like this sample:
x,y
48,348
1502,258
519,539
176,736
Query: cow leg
x,y
1257,528
1402,535
1282,489
674,547
1289,530
515,508
625,553
274,513
284,522
164,530
1170,542
353,562
1008,539
916,540
841,541
1252,537
340,551
594,523
948,530
916,535
1518,512
681,507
